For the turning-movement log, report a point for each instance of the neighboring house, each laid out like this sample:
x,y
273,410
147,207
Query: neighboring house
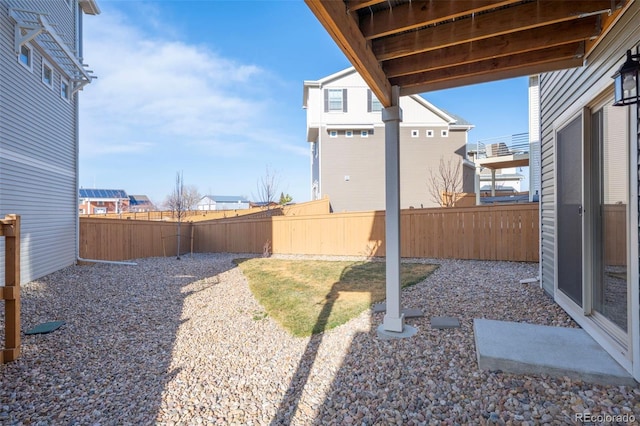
x,y
589,195
140,203
346,132
222,202
41,72
102,201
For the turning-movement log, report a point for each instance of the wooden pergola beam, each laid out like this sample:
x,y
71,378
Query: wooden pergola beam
x,y
509,20
495,75
353,5
414,15
501,46
574,51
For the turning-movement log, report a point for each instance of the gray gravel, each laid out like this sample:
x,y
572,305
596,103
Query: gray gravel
x,y
184,342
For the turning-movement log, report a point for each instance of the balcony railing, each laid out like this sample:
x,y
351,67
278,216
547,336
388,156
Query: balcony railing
x,y
499,146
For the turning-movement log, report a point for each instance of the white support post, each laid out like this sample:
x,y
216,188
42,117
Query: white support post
x,y
493,182
476,184
392,116
393,323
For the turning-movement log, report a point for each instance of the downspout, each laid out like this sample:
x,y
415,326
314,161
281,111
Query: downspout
x,y
76,135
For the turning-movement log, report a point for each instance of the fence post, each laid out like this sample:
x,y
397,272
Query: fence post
x,y
11,291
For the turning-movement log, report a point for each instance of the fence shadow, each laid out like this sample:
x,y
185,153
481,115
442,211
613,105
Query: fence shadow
x,y
113,358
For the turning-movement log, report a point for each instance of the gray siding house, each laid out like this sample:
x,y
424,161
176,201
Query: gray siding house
x,y
589,195
346,134
41,72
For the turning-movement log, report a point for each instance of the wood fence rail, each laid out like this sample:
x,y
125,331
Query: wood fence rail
x,y
10,292
501,232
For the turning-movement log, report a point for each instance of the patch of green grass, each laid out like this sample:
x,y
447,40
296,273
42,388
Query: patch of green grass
x,y
310,296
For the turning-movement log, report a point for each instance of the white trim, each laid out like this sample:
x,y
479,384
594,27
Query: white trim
x,y
415,133
333,133
46,64
593,330
364,133
626,354
28,66
444,133
430,133
349,127
348,133
633,255
62,91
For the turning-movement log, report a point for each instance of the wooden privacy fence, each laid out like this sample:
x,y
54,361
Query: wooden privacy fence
x,y
112,239
505,232
10,230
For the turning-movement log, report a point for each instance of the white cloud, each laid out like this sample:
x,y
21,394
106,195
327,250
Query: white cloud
x,y
152,92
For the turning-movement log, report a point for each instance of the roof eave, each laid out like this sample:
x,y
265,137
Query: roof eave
x,y
90,7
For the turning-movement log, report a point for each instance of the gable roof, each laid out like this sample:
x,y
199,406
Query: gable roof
x,y
137,200
451,119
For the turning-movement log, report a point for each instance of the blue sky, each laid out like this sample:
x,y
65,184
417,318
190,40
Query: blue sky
x,y
214,89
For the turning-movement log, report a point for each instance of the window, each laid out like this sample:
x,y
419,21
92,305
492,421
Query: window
x,y
364,134
429,133
47,74
373,104
415,133
335,100
348,133
65,90
444,133
25,57
333,134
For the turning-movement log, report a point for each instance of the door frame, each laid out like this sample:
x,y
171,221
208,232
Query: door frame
x,y
629,356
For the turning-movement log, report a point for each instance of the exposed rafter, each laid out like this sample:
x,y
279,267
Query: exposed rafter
x,y
431,45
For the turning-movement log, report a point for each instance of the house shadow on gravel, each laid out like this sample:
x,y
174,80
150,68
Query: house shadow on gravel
x,y
111,361
433,377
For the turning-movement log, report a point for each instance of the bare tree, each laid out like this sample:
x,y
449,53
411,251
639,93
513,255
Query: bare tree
x,y
445,183
267,187
176,203
191,197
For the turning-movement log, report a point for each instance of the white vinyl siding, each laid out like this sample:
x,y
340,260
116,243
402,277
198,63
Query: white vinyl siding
x,y
37,150
565,91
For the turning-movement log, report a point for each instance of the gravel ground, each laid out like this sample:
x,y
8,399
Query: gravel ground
x,y
184,342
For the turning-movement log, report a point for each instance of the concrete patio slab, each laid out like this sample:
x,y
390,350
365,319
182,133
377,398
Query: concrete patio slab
x,y
523,348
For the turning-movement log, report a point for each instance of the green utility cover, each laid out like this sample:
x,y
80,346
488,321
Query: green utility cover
x,y
45,328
